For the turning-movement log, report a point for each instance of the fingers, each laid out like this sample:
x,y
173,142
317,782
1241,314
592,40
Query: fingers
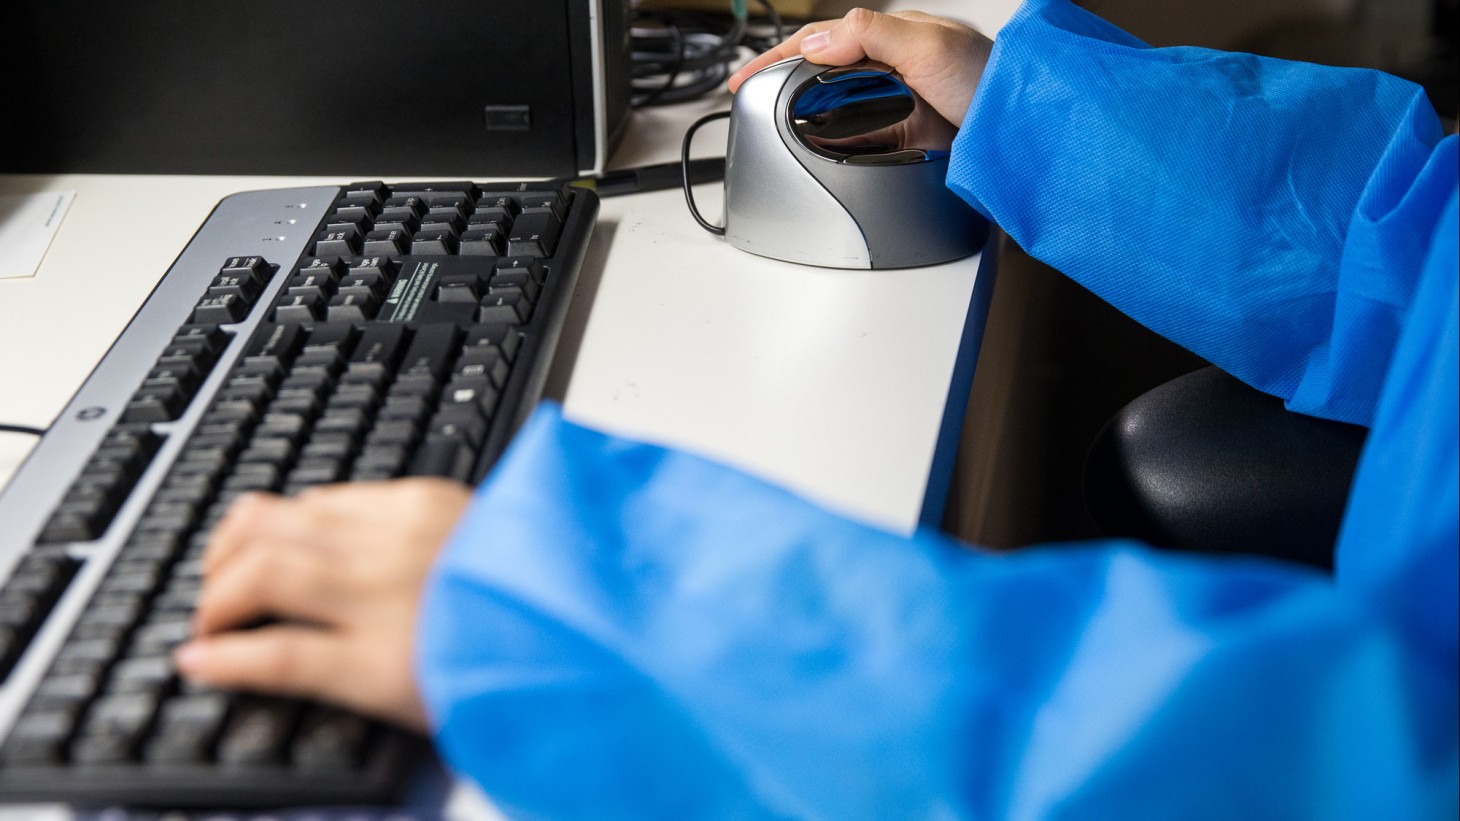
x,y
941,60
282,658
239,525
305,662
295,558
326,515
890,38
791,47
273,579
256,518
342,567
379,498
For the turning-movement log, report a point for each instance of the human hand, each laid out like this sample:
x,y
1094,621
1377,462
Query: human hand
x,y
341,569
940,60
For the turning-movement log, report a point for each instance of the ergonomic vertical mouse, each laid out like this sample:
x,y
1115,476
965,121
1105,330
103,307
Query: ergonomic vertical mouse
x,y
842,168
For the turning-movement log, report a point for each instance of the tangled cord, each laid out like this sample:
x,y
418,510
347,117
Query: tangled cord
x,y
681,55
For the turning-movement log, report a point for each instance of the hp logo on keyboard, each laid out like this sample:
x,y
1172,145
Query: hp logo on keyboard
x,y
88,414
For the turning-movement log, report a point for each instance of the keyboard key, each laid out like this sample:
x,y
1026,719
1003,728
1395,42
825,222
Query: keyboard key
x,y
321,276
66,692
438,192
431,351
461,290
258,731
221,310
503,337
39,738
353,305
338,243
522,265
255,267
365,193
434,242
404,203
447,219
34,586
534,234
157,404
187,727
114,727
381,266
475,392
520,280
505,306
245,287
485,361
389,242
330,739
300,308
141,675
446,456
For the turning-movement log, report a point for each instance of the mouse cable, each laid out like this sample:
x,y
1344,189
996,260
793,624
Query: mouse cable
x,y
22,429
685,165
642,178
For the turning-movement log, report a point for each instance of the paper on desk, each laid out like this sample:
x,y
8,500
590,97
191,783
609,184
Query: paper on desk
x,y
28,223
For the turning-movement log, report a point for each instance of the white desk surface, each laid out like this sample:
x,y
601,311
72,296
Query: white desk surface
x,y
830,382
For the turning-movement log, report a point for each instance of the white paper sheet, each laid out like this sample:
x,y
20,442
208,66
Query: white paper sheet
x,y
28,223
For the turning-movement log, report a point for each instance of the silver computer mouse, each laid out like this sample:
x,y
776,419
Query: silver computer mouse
x,y
843,168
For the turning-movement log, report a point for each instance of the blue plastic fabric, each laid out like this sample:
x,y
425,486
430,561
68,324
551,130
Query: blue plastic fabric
x,y
618,630
1210,195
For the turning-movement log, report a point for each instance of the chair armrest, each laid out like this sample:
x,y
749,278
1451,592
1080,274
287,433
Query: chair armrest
x,y
1206,463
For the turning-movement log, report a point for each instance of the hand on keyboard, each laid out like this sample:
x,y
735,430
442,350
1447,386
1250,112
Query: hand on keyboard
x,y
397,330
341,569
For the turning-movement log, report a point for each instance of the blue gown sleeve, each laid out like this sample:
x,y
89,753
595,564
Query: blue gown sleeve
x,y
1211,196
624,631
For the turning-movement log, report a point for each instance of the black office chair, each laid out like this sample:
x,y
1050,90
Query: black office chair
x,y
1206,463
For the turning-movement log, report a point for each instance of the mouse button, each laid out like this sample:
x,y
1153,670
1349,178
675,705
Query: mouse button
x,y
848,108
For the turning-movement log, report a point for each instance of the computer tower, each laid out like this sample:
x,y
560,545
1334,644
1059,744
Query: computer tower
x,y
459,88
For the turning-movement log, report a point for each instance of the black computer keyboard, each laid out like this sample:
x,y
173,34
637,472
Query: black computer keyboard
x,y
304,336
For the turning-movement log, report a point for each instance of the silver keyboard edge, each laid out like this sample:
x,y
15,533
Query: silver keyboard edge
x,y
276,224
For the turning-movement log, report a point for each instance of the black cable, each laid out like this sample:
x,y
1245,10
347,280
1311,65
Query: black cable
x,y
706,66
775,18
646,66
685,55
24,429
689,196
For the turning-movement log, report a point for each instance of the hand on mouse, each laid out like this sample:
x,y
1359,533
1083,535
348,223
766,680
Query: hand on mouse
x,y
341,568
939,59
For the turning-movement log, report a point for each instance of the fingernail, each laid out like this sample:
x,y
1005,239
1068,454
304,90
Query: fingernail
x,y
189,657
815,42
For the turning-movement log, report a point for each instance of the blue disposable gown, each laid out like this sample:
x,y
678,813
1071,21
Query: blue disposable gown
x,y
619,630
